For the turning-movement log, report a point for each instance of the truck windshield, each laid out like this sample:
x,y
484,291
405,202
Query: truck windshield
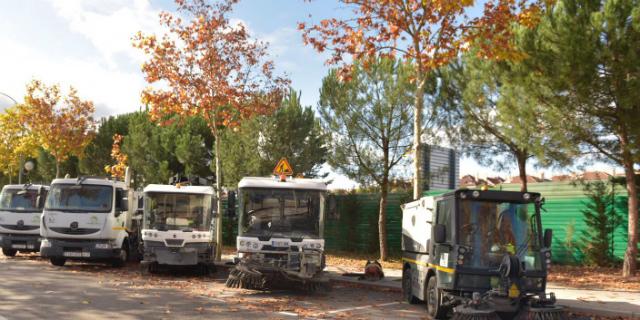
x,y
177,211
281,212
19,200
493,229
80,198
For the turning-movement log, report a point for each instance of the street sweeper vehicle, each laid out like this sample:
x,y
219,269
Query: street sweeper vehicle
x,y
478,254
90,218
178,226
20,209
280,234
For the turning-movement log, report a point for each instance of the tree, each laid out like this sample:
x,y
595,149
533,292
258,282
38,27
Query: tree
x,y
62,125
120,167
602,219
97,154
292,131
156,153
586,56
495,118
428,33
16,142
211,68
369,119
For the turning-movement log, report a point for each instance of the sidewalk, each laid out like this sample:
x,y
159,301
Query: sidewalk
x,y
596,302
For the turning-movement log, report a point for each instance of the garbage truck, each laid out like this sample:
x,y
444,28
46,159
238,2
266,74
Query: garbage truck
x,y
179,226
478,254
91,219
20,209
280,240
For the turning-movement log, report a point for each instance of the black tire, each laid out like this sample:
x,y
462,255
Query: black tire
x,y
58,261
433,299
9,252
407,294
123,256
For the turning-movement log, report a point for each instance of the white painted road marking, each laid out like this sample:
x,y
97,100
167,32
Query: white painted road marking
x,y
286,313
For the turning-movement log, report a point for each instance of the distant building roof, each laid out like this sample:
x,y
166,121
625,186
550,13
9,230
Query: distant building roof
x,y
517,179
468,180
595,175
494,181
562,177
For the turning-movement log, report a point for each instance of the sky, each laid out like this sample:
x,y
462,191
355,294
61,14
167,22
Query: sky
x,y
87,44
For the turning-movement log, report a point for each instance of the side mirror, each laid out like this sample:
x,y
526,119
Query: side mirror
x,y
440,233
231,204
548,234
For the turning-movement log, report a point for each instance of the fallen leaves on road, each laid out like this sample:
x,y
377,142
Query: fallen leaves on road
x,y
593,278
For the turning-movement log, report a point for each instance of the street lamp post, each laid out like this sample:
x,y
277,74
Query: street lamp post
x,y
21,160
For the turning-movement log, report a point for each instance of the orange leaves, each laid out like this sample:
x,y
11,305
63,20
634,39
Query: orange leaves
x,y
431,33
63,125
118,169
207,67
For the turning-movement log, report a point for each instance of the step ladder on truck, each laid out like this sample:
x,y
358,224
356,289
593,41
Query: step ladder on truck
x,y
478,254
90,219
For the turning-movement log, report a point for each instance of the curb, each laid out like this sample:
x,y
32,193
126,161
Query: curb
x,y
602,313
569,308
368,284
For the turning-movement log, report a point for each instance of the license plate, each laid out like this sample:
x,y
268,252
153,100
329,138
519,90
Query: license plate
x,y
76,254
19,246
280,243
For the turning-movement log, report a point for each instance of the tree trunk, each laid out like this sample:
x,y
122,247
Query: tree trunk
x,y
20,172
382,214
382,221
218,196
417,133
57,169
631,254
522,170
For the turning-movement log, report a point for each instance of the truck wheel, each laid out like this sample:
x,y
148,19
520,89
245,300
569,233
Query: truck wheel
x,y
433,300
9,252
57,261
122,258
407,293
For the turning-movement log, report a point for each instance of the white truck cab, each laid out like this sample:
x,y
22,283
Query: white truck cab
x,y
89,219
178,229
281,233
20,209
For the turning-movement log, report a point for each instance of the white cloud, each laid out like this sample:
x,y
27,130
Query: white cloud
x,y
110,25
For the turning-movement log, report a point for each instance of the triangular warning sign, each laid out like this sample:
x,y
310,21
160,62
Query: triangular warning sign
x,y
283,167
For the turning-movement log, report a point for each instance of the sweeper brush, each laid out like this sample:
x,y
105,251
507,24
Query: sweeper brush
x,y
545,313
246,278
465,313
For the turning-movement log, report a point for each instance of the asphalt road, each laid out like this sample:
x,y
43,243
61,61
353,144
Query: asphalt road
x,y
33,289
30,288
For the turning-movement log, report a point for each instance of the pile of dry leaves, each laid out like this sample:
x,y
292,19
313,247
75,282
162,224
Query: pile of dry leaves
x,y
593,278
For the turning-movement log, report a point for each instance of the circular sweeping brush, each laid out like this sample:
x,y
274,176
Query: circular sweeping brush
x,y
546,313
243,277
466,313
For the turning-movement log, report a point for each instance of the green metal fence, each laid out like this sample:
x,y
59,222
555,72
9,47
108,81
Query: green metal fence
x,y
354,225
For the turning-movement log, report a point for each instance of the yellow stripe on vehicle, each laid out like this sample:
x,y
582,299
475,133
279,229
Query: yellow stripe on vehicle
x,y
435,266
119,228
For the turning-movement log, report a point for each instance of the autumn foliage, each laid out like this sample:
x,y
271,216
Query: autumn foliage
x,y
211,67
118,169
62,125
16,142
429,34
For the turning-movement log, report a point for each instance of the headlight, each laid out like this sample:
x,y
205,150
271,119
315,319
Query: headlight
x,y
103,245
45,243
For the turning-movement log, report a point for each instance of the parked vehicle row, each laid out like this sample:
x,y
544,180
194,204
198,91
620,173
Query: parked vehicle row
x,y
466,253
